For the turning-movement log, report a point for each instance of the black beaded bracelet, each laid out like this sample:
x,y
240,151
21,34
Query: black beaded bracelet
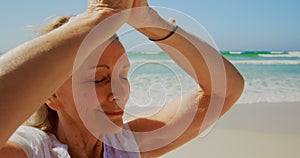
x,y
169,35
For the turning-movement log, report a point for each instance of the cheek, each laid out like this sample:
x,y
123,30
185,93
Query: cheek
x,y
127,90
102,92
65,97
85,96
121,88
65,93
68,104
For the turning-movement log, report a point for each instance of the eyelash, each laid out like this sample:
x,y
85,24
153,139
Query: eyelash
x,y
104,79
124,78
100,81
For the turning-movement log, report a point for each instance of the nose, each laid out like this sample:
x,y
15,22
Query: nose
x,y
119,91
113,98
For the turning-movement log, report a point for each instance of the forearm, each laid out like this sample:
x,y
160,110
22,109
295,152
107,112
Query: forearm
x,y
198,59
185,49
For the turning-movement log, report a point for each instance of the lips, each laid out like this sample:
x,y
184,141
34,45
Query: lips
x,y
114,113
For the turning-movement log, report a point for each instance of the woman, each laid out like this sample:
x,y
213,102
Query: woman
x,y
40,71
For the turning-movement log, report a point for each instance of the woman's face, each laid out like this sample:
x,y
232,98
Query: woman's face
x,y
98,92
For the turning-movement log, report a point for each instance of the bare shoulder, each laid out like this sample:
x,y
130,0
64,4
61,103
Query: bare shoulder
x,y
12,150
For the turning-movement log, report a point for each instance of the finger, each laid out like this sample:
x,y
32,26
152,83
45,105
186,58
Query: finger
x,y
140,3
113,4
172,21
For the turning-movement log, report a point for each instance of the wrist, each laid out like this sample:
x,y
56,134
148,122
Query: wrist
x,y
151,24
165,37
159,30
85,22
93,18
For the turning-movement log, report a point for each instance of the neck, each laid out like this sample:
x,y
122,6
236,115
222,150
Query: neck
x,y
81,143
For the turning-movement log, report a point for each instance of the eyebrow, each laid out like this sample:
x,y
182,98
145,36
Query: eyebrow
x,y
107,67
126,66
100,66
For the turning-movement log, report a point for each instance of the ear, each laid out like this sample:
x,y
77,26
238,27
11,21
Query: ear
x,y
54,103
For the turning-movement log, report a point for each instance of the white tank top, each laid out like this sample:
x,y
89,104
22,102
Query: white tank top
x,y
38,144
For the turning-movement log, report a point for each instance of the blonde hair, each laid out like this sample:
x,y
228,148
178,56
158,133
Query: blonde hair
x,y
45,118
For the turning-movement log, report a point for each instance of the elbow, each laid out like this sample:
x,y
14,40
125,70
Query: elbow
x,y
236,90
233,93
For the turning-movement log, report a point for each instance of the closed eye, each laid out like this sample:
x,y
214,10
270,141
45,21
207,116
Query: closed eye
x,y
124,78
101,81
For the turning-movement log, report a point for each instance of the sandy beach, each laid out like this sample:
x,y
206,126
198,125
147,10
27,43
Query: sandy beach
x,y
261,130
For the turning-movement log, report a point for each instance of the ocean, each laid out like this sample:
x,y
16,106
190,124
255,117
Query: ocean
x,y
270,77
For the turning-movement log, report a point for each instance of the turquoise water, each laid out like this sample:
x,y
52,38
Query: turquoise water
x,y
270,77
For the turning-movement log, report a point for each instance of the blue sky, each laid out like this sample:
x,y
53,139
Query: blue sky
x,y
233,24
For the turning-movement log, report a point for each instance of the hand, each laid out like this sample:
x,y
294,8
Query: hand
x,y
99,10
147,21
141,14
140,3
109,5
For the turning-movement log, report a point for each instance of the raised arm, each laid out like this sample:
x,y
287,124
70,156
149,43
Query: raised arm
x,y
31,72
218,79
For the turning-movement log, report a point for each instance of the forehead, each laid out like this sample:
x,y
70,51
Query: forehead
x,y
110,54
114,55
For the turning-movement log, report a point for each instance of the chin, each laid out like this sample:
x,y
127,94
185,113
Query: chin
x,y
100,124
116,126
